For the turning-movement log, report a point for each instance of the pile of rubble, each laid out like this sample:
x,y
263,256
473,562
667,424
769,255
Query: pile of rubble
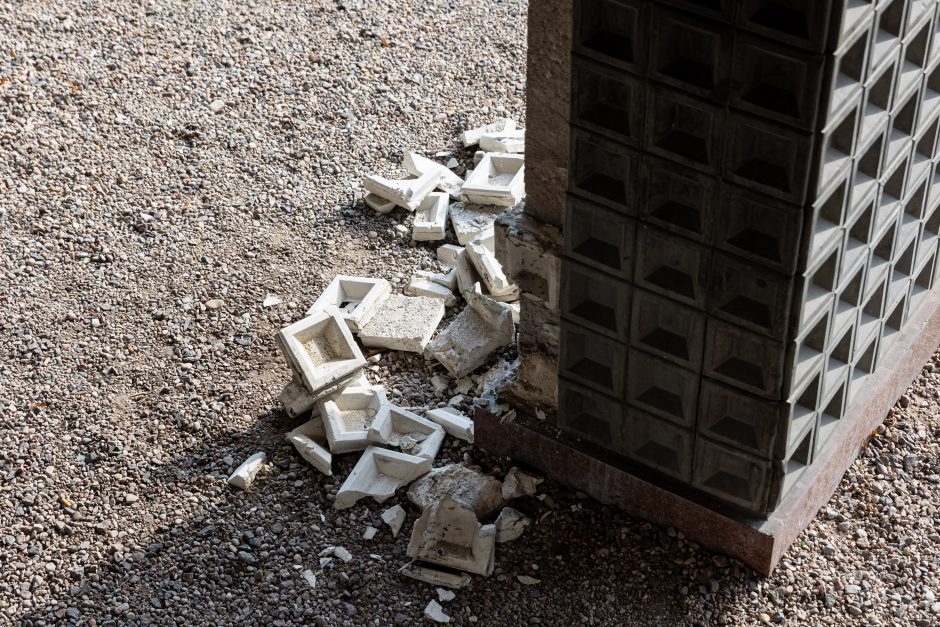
x,y
463,510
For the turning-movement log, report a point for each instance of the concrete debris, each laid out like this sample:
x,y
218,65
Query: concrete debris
x,y
525,580
430,222
448,280
447,254
453,422
342,554
348,415
463,385
315,454
472,136
321,350
449,534
355,299
420,286
394,426
295,398
516,308
510,524
244,475
479,492
504,141
468,341
497,180
394,517
378,204
452,163
271,300
406,193
378,473
369,533
470,221
435,612
467,278
482,255
519,483
435,576
421,166
444,595
310,578
489,382
404,323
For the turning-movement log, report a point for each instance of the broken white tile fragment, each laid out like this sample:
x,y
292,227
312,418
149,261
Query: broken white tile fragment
x,y
525,580
447,254
467,278
449,534
435,612
271,300
452,163
479,492
419,286
394,517
444,595
315,454
453,422
498,180
470,339
470,221
321,350
504,141
296,398
378,473
355,298
412,434
406,193
510,524
348,415
403,323
448,280
435,576
519,483
342,554
244,475
449,182
310,577
481,253
378,204
369,533
430,221
472,136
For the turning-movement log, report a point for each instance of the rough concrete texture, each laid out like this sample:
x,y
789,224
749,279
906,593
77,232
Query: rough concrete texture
x,y
404,323
295,398
530,252
348,414
379,473
469,340
318,457
354,299
321,350
510,524
430,221
405,193
453,421
448,534
435,576
449,182
406,431
420,286
470,221
471,136
473,489
481,252
518,483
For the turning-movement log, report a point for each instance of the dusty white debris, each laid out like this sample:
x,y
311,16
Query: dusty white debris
x,y
525,580
497,180
449,534
518,483
482,254
516,309
378,473
321,349
271,300
420,286
355,299
470,221
476,333
453,421
404,323
244,475
444,595
378,204
315,454
510,524
435,576
348,415
447,254
492,378
472,136
412,434
406,193
310,577
420,166
448,280
504,141
296,398
342,554
452,163
435,612
479,492
394,517
430,221
369,533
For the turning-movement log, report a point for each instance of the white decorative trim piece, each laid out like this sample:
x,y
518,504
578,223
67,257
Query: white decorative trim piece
x,y
379,473
430,222
355,298
498,180
321,349
348,415
420,166
408,432
406,193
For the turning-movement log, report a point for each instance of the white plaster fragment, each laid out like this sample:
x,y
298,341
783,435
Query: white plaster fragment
x,y
369,533
470,339
315,454
430,221
418,286
447,254
354,298
448,280
394,517
444,595
448,534
480,251
449,182
498,180
321,349
467,278
470,221
378,204
310,577
504,141
342,554
348,415
453,422
510,524
403,323
435,612
479,492
519,483
296,398
244,475
435,576
525,580
412,434
406,193
378,473
472,136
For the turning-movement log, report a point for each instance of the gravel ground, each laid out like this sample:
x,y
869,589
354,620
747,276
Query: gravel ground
x,y
163,168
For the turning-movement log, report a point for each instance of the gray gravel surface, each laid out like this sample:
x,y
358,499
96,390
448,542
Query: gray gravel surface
x,y
165,167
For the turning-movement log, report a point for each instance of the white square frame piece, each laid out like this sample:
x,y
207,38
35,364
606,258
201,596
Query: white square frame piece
x,y
348,415
321,350
354,298
498,180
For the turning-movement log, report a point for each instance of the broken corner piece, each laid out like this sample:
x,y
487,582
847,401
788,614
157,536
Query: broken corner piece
x,y
498,180
471,137
295,397
355,298
448,534
420,286
378,204
470,339
481,253
348,414
504,141
454,423
406,193
430,220
408,432
378,473
420,166
310,450
435,576
321,349
404,323
244,475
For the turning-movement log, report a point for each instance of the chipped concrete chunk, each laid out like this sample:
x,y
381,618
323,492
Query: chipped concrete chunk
x,y
518,483
355,298
435,576
453,422
497,180
420,166
430,222
321,350
419,286
449,534
525,580
480,251
470,221
244,475
394,517
467,278
504,141
468,341
348,415
296,398
412,434
406,193
403,323
435,612
444,595
447,254
472,136
479,492
310,450
378,473
378,204
510,524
